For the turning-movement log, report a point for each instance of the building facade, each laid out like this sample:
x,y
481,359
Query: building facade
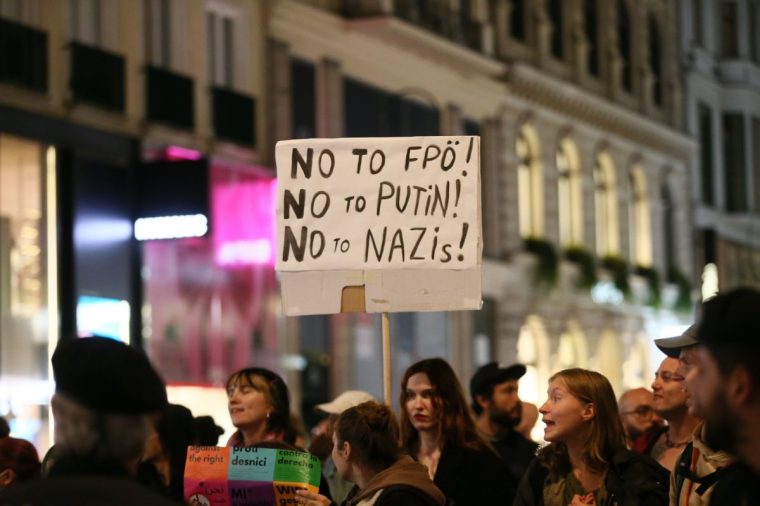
x,y
721,58
578,105
118,110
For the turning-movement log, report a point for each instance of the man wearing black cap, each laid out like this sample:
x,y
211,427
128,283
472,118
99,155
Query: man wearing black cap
x,y
495,400
726,388
105,404
693,478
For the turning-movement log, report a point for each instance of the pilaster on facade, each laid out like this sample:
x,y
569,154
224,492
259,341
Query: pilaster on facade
x,y
329,98
279,93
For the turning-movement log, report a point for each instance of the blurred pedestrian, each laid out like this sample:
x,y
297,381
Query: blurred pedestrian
x,y
636,409
322,436
726,389
106,402
163,464
259,406
498,410
696,472
366,453
666,444
19,461
438,430
207,432
586,461
528,420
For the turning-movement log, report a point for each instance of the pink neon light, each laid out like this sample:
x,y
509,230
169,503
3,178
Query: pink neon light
x,y
180,153
243,222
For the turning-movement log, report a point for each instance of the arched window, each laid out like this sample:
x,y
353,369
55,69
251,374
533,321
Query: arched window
x,y
624,45
590,23
640,225
605,202
529,184
570,212
655,61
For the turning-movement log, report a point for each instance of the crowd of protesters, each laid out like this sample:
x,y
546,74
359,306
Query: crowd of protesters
x,y
693,440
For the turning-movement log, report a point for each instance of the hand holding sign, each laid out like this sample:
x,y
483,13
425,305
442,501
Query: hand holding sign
x,y
378,203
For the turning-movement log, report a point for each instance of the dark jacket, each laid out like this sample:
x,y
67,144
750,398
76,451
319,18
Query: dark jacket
x,y
632,480
516,451
405,483
81,483
737,486
473,477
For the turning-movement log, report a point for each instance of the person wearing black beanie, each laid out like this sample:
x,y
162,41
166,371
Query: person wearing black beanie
x,y
106,402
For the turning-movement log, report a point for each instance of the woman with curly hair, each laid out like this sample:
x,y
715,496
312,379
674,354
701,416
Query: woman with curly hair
x,y
438,430
259,406
587,461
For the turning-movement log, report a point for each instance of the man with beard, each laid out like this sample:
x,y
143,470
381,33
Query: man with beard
x,y
726,388
495,400
693,479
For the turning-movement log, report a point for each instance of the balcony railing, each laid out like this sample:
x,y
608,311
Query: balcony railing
x,y
23,56
234,116
97,77
169,98
434,16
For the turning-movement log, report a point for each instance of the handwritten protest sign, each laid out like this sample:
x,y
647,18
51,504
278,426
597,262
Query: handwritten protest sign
x,y
378,203
232,476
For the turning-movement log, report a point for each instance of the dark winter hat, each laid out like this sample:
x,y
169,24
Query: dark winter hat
x,y
107,376
672,346
492,374
730,318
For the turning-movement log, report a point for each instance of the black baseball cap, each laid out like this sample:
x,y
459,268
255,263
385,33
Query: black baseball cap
x,y
492,374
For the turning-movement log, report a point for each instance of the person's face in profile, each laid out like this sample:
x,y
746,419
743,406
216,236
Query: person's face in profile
x,y
669,396
564,414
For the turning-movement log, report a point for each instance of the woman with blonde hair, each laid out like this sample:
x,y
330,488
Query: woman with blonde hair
x,y
587,461
438,430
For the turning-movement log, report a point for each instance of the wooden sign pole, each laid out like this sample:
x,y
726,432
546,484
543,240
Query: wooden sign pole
x,y
387,359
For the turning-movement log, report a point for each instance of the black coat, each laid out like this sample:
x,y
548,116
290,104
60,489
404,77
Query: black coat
x,y
471,477
632,480
516,451
737,485
81,491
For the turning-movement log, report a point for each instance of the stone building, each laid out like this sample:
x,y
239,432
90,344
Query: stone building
x,y
720,44
579,108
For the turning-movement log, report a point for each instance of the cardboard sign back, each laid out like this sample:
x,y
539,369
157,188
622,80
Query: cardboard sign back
x,y
379,224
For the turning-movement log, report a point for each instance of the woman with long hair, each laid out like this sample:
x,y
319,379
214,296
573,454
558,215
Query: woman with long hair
x,y
587,461
366,452
438,430
259,406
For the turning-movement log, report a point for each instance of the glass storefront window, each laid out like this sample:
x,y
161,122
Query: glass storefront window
x,y
24,387
211,303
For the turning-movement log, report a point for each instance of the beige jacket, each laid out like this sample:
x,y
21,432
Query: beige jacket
x,y
704,461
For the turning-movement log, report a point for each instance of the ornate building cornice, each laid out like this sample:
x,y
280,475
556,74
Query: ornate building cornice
x,y
541,88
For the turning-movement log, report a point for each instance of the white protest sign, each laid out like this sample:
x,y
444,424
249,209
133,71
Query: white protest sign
x,y
378,203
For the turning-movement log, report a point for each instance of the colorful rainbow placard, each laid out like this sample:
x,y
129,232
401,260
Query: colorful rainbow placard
x,y
235,476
